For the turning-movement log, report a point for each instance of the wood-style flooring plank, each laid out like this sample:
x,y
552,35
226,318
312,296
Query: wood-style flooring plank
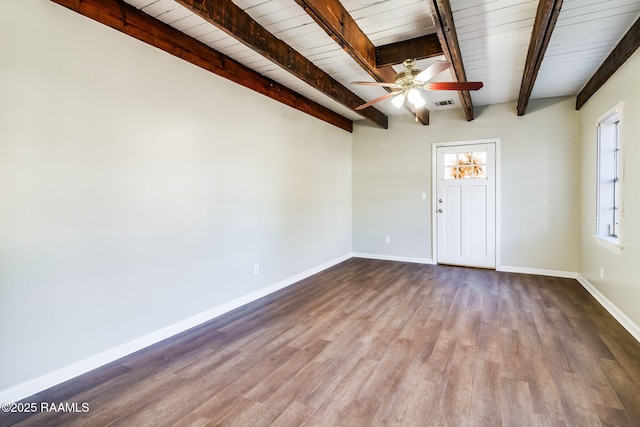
x,y
370,343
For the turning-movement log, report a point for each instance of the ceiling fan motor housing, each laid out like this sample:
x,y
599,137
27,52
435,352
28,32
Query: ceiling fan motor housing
x,y
406,77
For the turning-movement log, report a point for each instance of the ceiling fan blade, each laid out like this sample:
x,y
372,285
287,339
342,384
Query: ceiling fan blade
x,y
383,84
453,86
378,99
432,70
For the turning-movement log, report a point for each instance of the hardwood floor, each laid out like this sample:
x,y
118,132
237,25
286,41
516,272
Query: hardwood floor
x,y
378,343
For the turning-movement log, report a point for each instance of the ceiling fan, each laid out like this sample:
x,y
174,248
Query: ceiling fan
x,y
408,81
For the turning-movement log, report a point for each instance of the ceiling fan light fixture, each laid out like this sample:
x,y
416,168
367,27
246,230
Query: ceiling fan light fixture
x,y
398,101
415,98
419,102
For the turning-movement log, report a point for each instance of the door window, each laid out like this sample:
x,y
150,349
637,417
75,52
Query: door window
x,y
471,165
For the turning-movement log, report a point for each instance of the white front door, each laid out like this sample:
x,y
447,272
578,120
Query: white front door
x,y
466,205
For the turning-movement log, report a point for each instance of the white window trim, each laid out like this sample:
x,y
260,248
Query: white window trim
x,y
613,245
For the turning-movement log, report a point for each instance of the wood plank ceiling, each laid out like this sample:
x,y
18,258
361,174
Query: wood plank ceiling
x,y
306,53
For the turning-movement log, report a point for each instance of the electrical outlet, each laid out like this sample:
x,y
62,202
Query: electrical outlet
x,y
387,239
601,273
423,195
256,268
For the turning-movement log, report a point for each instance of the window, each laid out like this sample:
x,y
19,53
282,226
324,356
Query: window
x,y
465,165
609,184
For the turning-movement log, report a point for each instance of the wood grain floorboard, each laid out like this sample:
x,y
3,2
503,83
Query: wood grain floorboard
x,y
377,343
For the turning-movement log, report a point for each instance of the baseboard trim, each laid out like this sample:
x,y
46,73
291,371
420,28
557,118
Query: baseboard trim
x,y
393,258
538,271
618,314
36,385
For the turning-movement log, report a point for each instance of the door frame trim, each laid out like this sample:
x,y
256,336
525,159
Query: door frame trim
x,y
434,158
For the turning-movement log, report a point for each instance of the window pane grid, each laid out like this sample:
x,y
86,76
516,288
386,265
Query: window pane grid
x,y
471,165
616,179
609,184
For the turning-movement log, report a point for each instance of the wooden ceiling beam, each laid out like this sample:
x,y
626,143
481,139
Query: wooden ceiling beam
x,y
231,19
132,22
446,31
421,47
341,27
545,22
623,50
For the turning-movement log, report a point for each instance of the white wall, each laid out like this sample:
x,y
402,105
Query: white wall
x,y
621,283
137,190
539,185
